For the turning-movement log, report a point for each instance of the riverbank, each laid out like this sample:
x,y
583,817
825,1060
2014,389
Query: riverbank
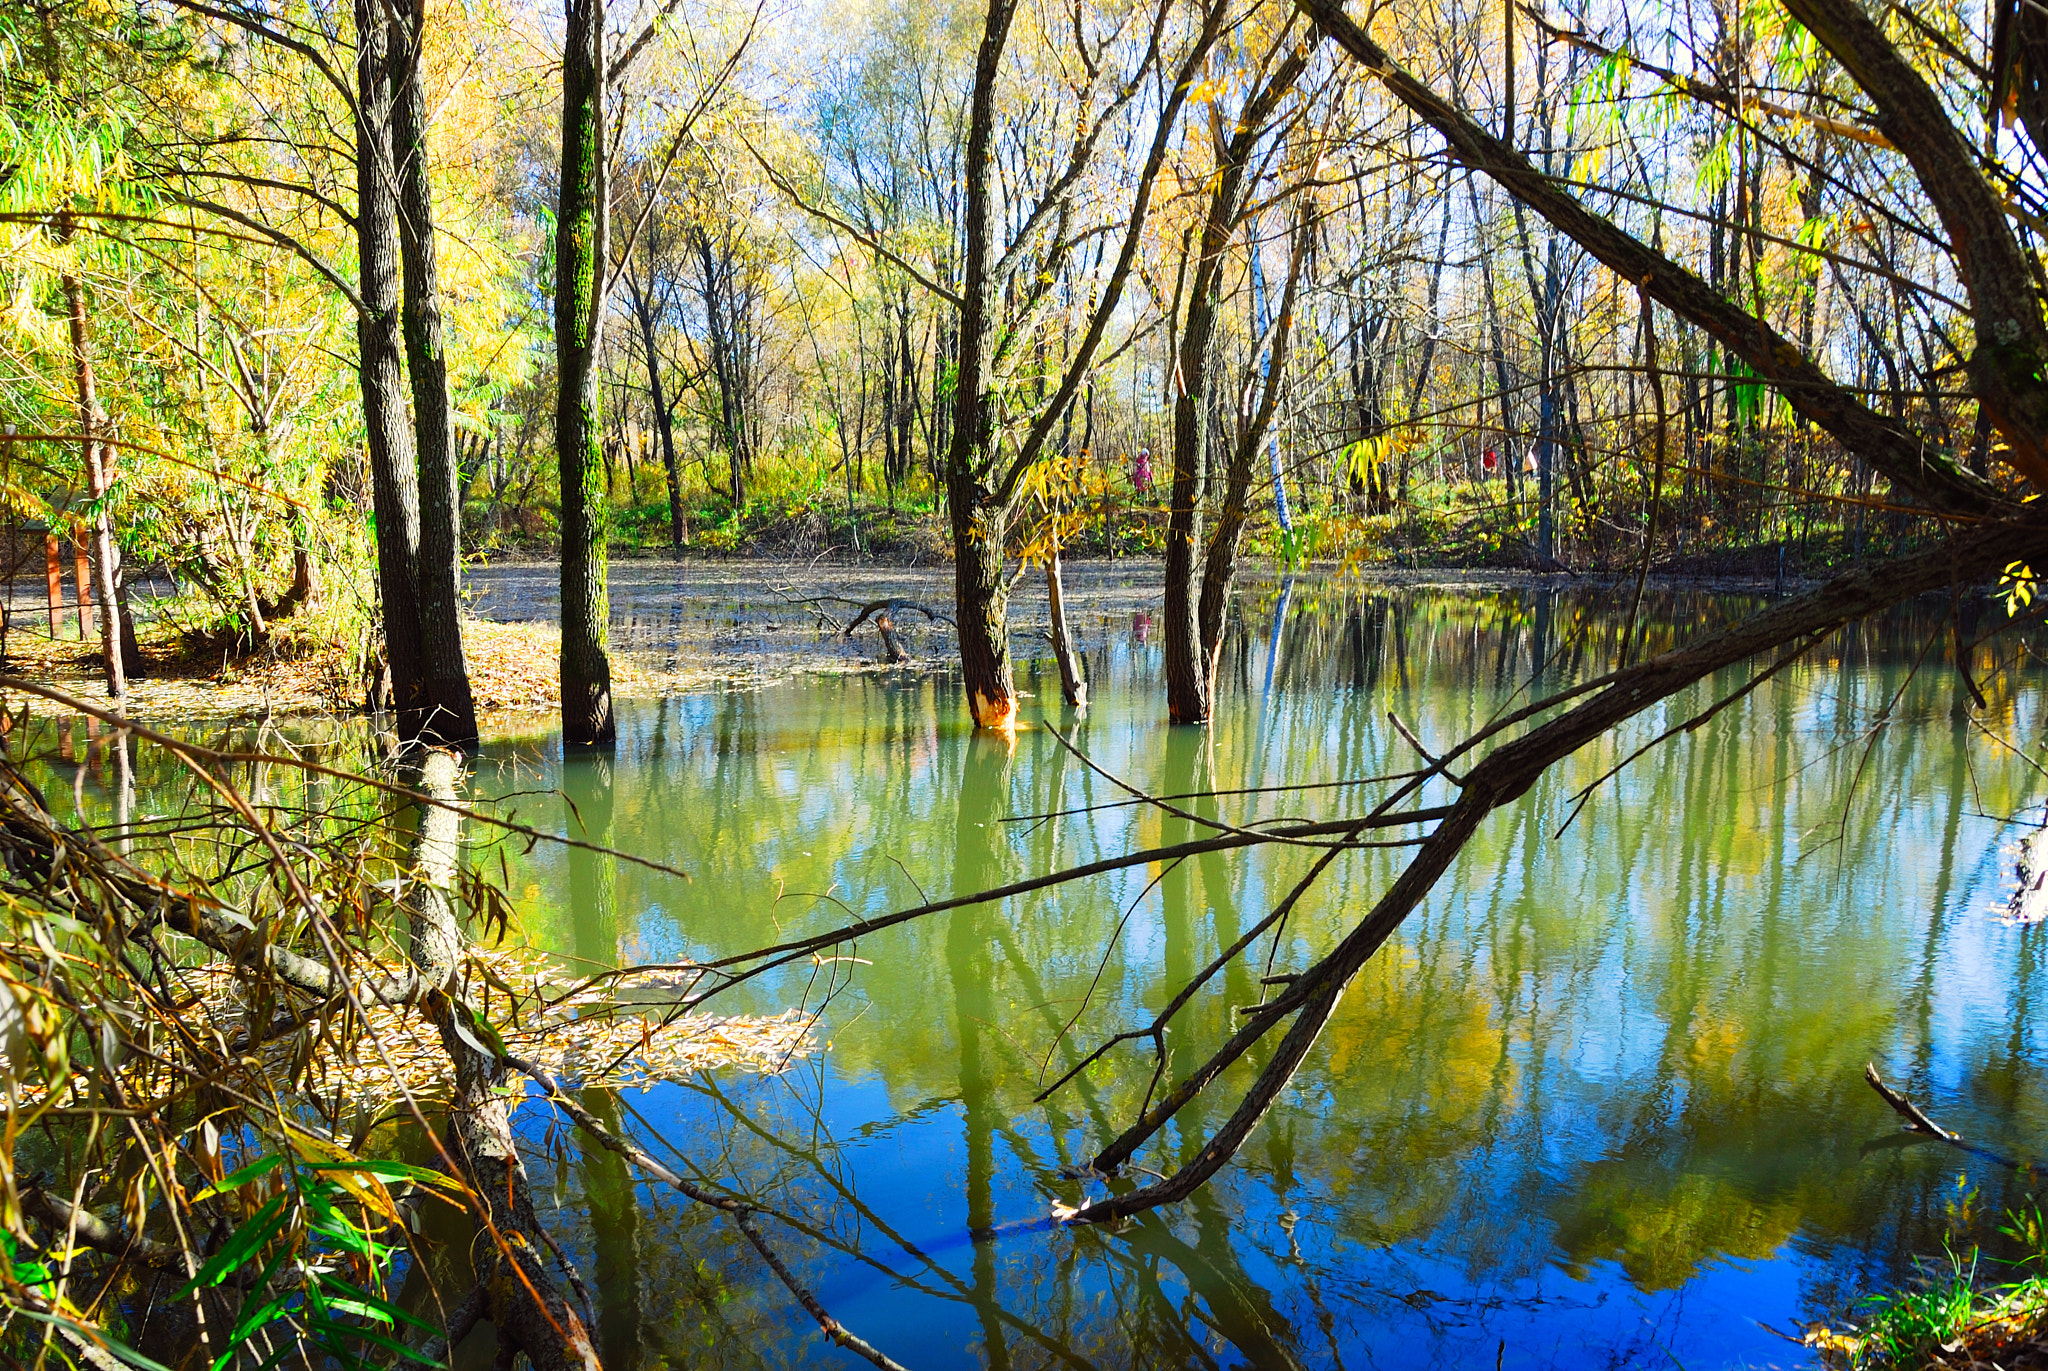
x,y
1953,1321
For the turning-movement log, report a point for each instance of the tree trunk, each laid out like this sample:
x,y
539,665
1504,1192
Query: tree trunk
x,y
579,323
980,517
982,605
106,555
394,474
1187,678
1187,683
451,707
1220,567
520,1296
664,421
1073,684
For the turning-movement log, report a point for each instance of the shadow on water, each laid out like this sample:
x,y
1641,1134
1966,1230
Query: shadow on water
x,y
1598,1103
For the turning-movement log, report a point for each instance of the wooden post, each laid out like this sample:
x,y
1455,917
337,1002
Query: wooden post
x,y
82,565
53,567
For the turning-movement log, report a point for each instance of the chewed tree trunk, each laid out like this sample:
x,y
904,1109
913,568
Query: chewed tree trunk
x,y
982,609
579,315
1073,684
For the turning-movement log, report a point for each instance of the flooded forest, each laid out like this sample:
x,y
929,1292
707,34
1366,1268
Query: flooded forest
x,y
1102,684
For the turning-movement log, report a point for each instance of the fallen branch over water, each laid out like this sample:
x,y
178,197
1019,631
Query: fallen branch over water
x,y
1916,1121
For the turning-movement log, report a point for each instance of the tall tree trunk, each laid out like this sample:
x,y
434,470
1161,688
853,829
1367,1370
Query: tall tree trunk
x,y
664,421
979,515
451,707
579,326
394,472
104,553
1219,569
1187,683
1187,675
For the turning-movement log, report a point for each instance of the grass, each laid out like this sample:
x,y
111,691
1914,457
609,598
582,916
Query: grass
x,y
1958,1317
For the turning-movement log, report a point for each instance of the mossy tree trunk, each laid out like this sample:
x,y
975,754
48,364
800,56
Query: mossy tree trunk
x,y
579,329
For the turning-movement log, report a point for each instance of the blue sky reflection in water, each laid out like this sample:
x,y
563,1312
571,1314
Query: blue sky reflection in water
x,y
1598,1103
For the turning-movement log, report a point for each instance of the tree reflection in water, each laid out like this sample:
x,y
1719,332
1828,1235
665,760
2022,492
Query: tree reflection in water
x,y
1599,1100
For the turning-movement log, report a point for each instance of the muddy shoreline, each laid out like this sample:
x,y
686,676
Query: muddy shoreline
x,y
752,620
704,624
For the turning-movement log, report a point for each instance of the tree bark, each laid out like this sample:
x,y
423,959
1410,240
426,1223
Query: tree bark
x,y
1073,683
980,517
106,554
981,605
1188,699
520,1296
394,472
580,260
450,705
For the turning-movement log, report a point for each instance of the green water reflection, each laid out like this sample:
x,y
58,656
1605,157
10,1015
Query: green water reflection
x,y
1599,1102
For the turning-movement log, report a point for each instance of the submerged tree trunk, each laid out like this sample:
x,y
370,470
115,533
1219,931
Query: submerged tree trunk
x,y
1073,684
394,475
1188,696
451,707
579,325
1219,569
519,1294
980,516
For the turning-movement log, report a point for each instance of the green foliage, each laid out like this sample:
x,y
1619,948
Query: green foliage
x,y
315,1245
1955,1307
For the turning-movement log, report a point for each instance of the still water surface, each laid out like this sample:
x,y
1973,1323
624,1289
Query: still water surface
x,y
1598,1103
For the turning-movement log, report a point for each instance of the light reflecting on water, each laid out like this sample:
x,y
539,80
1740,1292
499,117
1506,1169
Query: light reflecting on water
x,y
1598,1103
